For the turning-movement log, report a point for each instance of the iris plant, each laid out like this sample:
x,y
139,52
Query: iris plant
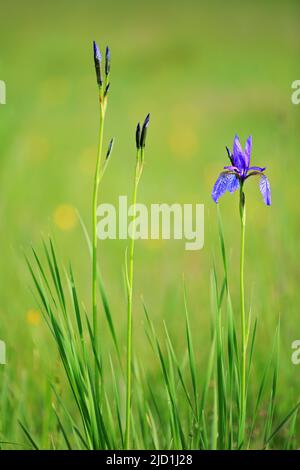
x,y
140,139
103,87
231,179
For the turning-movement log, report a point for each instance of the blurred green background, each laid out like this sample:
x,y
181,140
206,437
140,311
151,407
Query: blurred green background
x,y
205,70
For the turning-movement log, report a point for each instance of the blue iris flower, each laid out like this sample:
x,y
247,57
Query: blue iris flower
x,y
236,174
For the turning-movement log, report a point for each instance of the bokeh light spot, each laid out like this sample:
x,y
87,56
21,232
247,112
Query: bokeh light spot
x,y
33,317
65,217
183,142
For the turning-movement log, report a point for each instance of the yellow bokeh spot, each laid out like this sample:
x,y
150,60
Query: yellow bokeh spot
x,y
154,244
33,317
65,217
183,142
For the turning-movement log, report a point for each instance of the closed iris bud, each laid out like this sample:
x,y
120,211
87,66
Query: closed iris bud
x,y
109,149
144,131
106,89
97,60
229,154
107,61
138,136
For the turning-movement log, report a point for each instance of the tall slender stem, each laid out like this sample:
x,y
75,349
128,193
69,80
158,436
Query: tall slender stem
x,y
97,180
243,319
129,309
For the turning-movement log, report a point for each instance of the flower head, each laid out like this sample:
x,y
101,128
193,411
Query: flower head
x,y
109,149
97,53
138,136
141,133
107,61
236,174
97,60
144,131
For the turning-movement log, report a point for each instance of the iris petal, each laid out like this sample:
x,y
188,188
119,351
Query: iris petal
x,y
231,168
220,187
248,150
257,168
225,182
238,154
233,183
265,189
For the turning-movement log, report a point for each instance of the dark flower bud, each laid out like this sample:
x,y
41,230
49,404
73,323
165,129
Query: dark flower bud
x,y
144,131
107,61
109,149
97,60
138,136
229,154
106,89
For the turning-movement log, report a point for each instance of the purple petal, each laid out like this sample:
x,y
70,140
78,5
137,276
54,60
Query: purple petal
x,y
97,53
238,154
231,168
257,168
248,150
220,187
265,189
237,148
233,183
225,182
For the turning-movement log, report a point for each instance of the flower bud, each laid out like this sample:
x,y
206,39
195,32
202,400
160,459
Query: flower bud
x,y
138,136
109,149
97,60
144,131
107,61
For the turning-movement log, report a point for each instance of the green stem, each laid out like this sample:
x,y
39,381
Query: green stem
x,y
243,319
129,309
97,180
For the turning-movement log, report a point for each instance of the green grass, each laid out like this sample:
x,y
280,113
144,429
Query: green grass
x,y
213,416
203,80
